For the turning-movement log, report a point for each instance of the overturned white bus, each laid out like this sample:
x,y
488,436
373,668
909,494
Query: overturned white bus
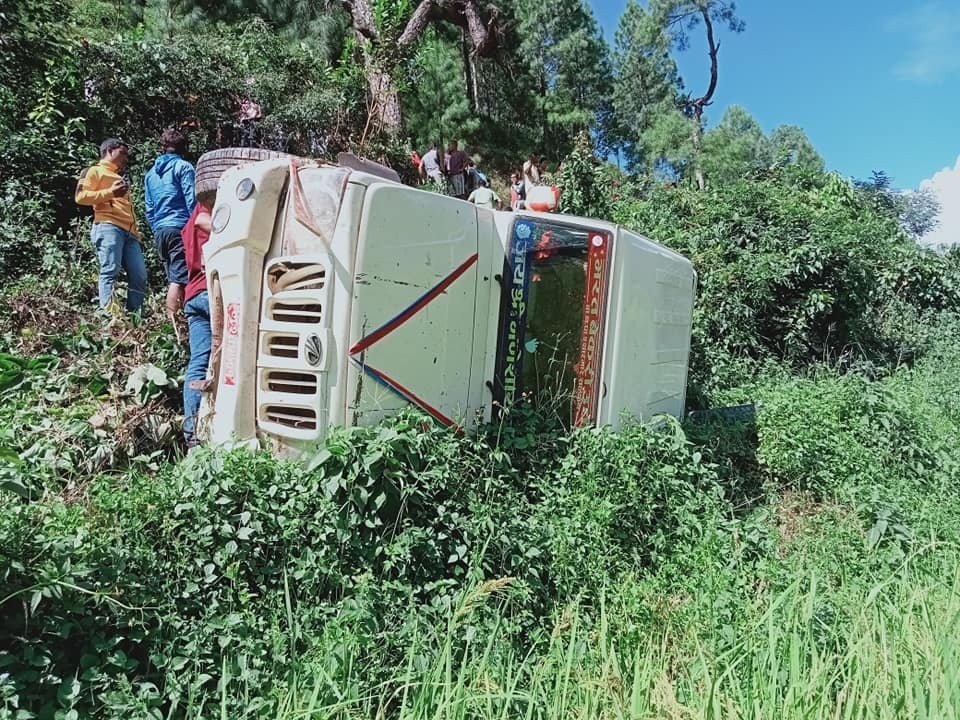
x,y
345,296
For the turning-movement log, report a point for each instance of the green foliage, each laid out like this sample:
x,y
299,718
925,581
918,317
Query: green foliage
x,y
391,16
64,421
917,211
568,59
799,652
438,109
737,148
656,120
41,131
794,267
33,34
138,87
830,434
584,189
198,565
792,146
626,500
722,569
645,91
241,585
166,582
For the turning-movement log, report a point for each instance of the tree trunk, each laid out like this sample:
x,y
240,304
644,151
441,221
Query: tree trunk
x,y
700,103
383,114
470,73
482,28
697,139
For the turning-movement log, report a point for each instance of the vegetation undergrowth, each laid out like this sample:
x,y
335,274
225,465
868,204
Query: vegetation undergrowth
x,y
795,559
405,571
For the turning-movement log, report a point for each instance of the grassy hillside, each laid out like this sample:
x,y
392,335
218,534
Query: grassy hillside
x,y
800,565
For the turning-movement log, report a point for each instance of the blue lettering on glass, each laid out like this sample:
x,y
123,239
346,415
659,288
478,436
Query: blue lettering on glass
x,y
512,350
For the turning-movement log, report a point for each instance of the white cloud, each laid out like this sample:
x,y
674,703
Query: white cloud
x,y
946,185
930,32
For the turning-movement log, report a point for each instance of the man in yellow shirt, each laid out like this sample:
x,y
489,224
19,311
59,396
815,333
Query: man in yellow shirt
x,y
114,234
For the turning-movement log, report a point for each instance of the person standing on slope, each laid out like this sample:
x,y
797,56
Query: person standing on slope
x,y
531,174
114,234
197,309
517,192
170,201
456,165
430,166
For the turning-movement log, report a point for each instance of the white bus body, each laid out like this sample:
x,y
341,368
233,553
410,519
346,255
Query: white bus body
x,y
345,297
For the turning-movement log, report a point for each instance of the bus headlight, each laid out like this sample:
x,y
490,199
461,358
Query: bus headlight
x,y
221,216
245,188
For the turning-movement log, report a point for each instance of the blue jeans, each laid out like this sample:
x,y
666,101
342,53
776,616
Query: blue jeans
x,y
197,311
118,248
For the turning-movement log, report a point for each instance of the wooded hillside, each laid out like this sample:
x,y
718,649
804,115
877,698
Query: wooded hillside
x,y
798,562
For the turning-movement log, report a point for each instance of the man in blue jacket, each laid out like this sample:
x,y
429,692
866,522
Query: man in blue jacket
x,y
170,200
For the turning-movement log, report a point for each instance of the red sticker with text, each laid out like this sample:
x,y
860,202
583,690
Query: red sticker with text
x,y
587,390
231,345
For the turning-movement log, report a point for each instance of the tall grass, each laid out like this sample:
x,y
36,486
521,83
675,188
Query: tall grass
x,y
893,654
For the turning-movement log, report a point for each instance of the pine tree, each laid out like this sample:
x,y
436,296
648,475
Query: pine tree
x,y
791,145
735,147
570,63
436,104
678,18
645,92
385,33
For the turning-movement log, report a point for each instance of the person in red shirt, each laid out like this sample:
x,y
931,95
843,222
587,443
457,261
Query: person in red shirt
x,y
196,308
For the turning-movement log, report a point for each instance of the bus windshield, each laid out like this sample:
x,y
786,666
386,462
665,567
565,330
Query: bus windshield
x,y
551,318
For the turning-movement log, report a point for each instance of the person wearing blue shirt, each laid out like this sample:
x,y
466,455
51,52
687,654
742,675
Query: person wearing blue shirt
x,y
170,200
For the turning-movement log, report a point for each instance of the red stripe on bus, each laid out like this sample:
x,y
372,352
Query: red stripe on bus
x,y
406,394
417,305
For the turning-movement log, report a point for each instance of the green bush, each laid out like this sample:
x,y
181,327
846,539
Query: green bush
x,y
623,501
136,87
796,267
584,187
166,583
833,434
229,574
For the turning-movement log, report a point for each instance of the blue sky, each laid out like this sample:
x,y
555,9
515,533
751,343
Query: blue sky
x,y
874,83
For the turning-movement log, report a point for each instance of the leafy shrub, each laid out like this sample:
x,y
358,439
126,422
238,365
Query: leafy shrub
x,y
166,583
796,267
627,500
833,434
195,568
584,187
166,588
71,92
135,87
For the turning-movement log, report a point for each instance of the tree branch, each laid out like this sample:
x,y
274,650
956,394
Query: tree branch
x,y
700,103
417,24
362,15
484,36
466,14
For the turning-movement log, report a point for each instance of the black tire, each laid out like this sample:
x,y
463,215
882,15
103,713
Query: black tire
x,y
212,165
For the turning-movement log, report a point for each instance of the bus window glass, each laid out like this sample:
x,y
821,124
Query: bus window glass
x,y
551,318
